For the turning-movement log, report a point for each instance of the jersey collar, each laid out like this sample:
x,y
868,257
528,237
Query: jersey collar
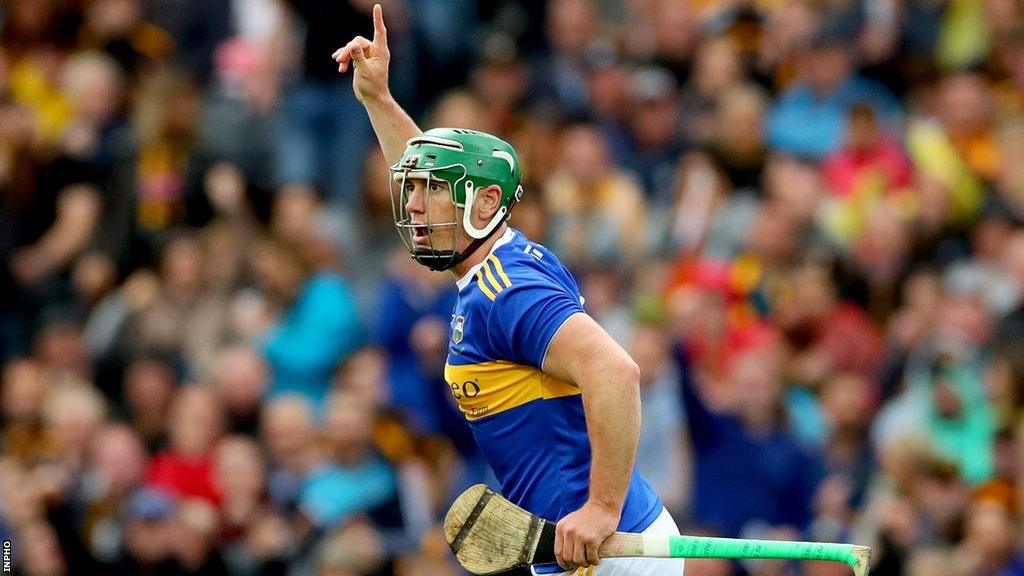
x,y
468,276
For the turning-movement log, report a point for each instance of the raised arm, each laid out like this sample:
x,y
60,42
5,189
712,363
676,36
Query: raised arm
x,y
581,352
369,61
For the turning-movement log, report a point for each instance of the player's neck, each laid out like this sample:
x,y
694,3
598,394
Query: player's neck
x,y
480,253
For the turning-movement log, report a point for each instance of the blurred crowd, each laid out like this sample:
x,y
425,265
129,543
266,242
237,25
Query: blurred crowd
x,y
804,219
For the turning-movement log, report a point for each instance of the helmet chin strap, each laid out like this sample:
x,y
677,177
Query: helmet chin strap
x,y
439,261
446,260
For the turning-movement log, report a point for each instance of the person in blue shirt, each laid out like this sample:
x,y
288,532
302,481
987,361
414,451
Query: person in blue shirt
x,y
318,327
408,301
809,119
750,469
552,400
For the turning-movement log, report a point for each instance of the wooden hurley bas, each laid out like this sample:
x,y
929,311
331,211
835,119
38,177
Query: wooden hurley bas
x,y
489,534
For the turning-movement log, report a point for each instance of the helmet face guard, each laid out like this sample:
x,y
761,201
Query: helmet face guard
x,y
466,161
434,254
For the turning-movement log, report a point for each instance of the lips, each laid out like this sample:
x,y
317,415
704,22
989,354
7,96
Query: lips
x,y
420,235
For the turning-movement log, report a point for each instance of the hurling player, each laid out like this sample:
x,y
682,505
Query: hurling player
x,y
552,400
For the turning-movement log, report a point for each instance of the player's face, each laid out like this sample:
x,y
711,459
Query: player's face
x,y
432,213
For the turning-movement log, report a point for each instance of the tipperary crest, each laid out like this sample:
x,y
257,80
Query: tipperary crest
x,y
457,330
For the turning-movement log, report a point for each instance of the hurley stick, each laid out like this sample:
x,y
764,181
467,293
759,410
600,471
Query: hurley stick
x,y
489,534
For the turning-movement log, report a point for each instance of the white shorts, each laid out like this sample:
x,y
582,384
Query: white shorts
x,y
663,524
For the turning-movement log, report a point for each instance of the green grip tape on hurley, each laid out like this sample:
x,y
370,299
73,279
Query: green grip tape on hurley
x,y
708,547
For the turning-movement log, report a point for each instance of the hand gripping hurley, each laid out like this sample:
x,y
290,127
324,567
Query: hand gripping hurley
x,y
489,534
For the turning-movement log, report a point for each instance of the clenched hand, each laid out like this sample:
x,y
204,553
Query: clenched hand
x,y
579,535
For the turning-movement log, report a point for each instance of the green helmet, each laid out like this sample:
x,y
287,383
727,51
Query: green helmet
x,y
468,161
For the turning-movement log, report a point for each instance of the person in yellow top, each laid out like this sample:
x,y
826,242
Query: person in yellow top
x,y
597,211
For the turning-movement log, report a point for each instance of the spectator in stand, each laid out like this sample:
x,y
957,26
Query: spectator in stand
x,y
571,28
717,70
322,137
662,455
808,119
668,34
54,228
597,211
740,453
240,474
114,471
193,538
317,327
966,115
60,346
156,187
226,238
411,297
25,383
945,400
150,385
990,540
883,253
148,537
500,80
240,104
254,537
240,381
954,149
869,161
655,139
293,211
94,84
288,435
352,478
825,333
119,29
185,320
72,414
185,467
708,219
355,549
738,142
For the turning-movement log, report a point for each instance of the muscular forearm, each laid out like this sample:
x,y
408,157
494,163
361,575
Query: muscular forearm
x,y
612,405
392,126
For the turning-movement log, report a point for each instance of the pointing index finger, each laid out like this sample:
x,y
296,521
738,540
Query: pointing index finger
x,y
380,33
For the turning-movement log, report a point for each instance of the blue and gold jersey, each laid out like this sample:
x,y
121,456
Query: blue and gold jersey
x,y
529,425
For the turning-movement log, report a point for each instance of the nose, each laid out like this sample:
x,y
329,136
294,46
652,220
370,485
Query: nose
x,y
414,205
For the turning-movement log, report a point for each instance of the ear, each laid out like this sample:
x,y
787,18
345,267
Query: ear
x,y
488,200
